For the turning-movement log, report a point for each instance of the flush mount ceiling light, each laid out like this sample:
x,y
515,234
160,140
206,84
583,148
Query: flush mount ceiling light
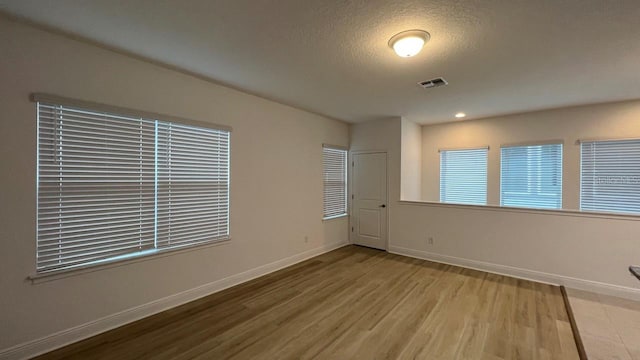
x,y
460,115
409,43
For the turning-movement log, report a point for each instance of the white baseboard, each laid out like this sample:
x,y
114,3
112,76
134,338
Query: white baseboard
x,y
80,332
533,275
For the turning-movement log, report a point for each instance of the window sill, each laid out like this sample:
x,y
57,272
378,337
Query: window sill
x,y
557,212
118,261
335,217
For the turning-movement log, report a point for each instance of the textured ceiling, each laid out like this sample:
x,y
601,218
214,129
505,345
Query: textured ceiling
x,y
331,56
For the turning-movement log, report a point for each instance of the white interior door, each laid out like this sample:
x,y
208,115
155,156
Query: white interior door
x,y
369,200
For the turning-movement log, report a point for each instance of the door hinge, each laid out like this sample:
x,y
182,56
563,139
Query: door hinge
x,y
352,229
352,164
351,196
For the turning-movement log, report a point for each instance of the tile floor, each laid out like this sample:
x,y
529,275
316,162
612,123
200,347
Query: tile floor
x,y
609,326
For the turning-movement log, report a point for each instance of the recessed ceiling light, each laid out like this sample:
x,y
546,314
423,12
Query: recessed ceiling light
x,y
460,115
409,43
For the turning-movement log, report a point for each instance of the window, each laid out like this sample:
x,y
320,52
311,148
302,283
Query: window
x,y
610,176
334,163
531,176
463,176
114,186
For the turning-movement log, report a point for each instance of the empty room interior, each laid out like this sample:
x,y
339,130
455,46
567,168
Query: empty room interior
x,y
353,179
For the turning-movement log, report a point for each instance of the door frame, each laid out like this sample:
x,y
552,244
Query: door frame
x,y
350,199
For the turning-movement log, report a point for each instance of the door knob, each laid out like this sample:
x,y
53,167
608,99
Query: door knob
x,y
383,206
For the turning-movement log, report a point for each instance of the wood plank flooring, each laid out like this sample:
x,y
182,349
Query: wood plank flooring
x,y
353,303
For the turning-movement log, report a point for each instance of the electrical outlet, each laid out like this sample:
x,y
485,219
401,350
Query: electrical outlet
x,y
430,240
306,239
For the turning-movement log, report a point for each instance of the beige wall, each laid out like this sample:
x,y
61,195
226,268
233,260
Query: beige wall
x,y
616,120
411,160
276,175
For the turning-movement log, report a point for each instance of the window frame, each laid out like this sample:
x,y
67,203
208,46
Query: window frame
x,y
39,98
581,143
485,149
539,173
345,180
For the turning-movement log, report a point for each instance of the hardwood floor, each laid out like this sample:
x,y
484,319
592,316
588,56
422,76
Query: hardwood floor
x,y
353,303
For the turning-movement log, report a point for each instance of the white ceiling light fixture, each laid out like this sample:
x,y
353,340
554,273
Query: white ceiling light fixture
x,y
409,43
460,115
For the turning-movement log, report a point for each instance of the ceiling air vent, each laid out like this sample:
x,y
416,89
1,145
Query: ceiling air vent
x,y
433,83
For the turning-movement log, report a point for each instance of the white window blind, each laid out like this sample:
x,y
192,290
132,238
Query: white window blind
x,y
610,176
112,186
531,176
335,181
463,176
193,185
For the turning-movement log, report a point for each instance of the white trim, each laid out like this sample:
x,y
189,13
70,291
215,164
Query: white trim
x,y
526,274
335,217
487,147
336,147
553,212
127,259
533,143
95,106
604,139
59,339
